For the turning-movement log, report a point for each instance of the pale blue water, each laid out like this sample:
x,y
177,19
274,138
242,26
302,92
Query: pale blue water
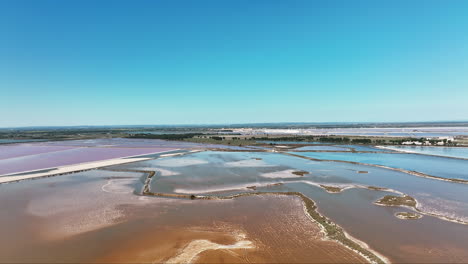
x,y
436,166
365,148
403,134
454,152
212,172
325,148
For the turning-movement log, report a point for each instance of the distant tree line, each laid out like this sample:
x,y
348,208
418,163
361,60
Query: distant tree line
x,y
335,139
320,139
303,138
165,136
324,139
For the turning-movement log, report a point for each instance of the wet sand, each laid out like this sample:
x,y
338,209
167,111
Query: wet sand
x,y
278,232
96,218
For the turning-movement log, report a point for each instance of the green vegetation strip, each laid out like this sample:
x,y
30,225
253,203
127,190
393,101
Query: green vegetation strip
x,y
392,200
408,215
331,189
165,136
300,173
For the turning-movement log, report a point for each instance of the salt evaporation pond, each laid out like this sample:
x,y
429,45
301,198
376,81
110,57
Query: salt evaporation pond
x,y
88,216
138,143
19,150
224,173
453,152
69,156
213,172
18,158
435,166
365,148
228,173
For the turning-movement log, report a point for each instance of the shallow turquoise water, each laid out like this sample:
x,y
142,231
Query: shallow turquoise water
x,y
326,148
436,166
454,152
365,148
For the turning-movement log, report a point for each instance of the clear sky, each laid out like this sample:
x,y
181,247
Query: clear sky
x,y
232,61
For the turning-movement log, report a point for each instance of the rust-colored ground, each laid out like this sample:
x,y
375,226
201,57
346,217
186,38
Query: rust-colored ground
x,y
61,223
276,226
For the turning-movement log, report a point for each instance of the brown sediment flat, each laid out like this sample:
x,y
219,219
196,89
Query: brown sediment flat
x,y
330,229
138,227
270,228
281,232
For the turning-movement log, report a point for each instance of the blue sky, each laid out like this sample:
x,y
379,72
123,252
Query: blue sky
x,y
189,62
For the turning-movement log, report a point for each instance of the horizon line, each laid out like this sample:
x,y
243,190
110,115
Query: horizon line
x,y
237,124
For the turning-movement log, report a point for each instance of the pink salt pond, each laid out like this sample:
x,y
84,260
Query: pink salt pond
x,y
22,158
17,158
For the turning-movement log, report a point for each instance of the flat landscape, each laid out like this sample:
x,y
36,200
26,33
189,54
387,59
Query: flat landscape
x,y
150,200
208,131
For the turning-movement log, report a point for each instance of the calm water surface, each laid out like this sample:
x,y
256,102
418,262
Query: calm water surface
x,y
214,172
224,173
436,166
365,148
454,152
227,173
326,148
